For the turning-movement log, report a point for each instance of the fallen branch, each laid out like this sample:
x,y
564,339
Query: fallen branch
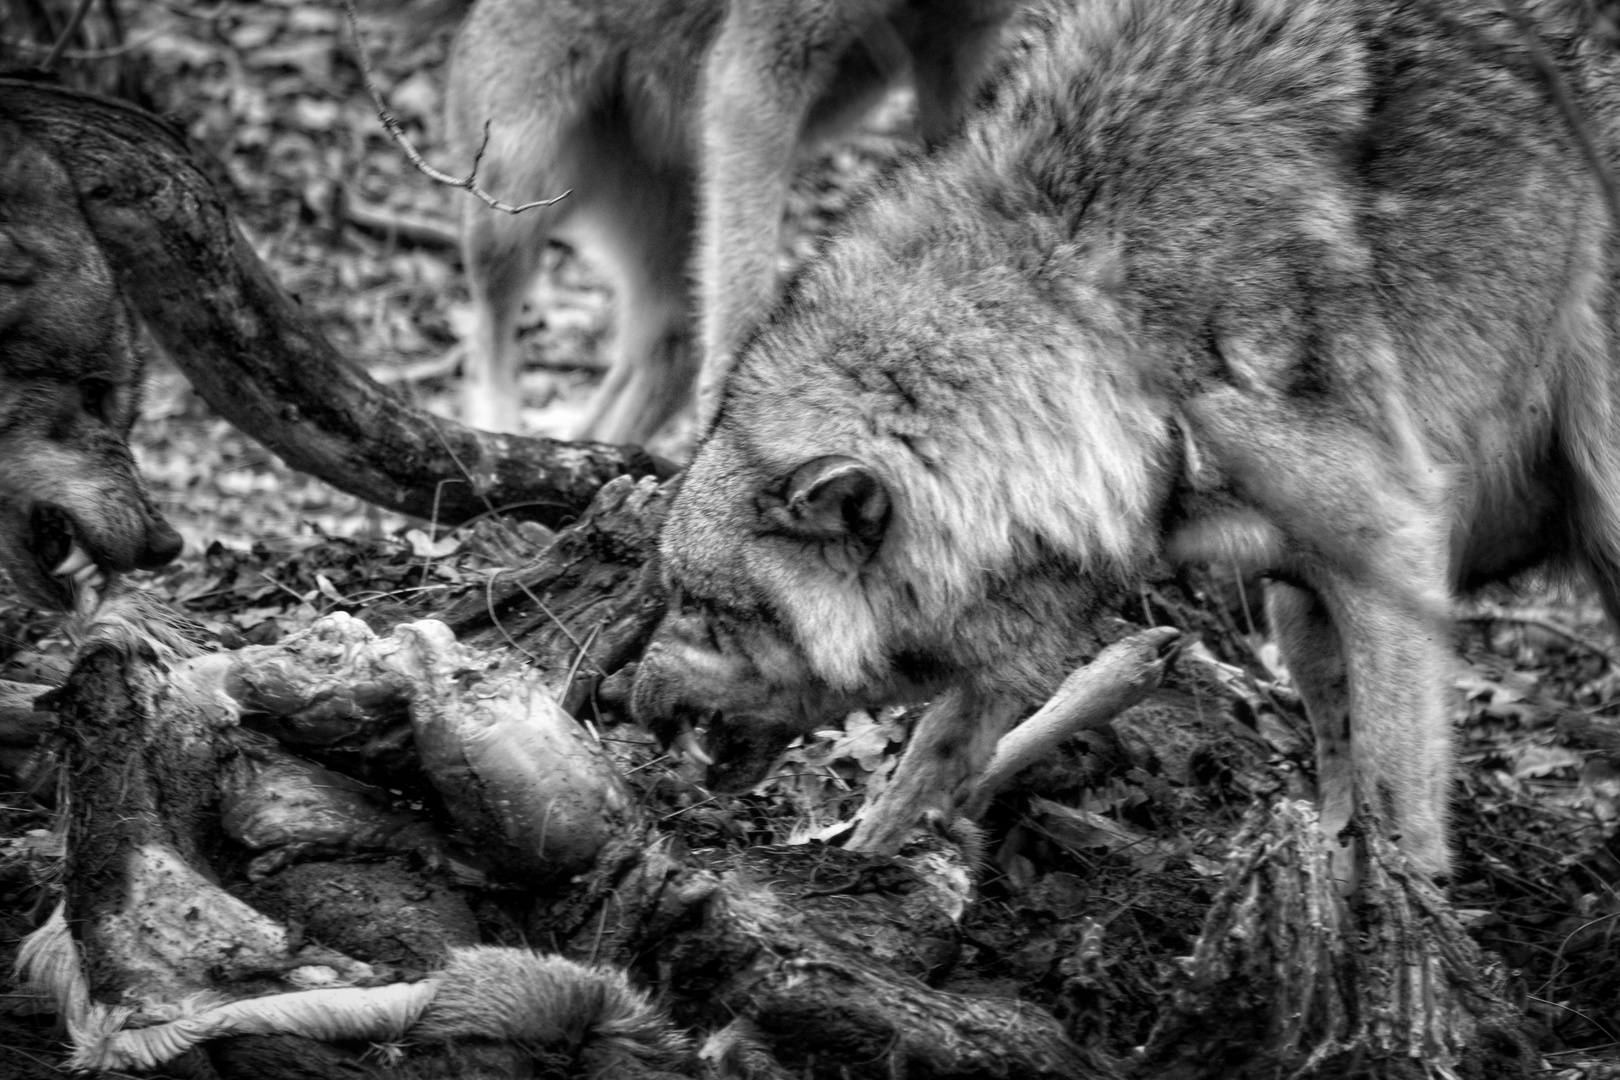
x,y
466,183
256,357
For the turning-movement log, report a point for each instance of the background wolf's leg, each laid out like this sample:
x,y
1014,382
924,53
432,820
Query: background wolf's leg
x,y
763,74
1315,657
950,746
501,252
640,230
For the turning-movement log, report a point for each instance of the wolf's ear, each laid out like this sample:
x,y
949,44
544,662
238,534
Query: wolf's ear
x,y
832,499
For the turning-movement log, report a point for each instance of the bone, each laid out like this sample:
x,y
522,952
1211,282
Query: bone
x,y
76,560
692,746
1121,676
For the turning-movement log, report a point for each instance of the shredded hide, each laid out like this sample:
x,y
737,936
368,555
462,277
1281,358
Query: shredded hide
x,y
484,992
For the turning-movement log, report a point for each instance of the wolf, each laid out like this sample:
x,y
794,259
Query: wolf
x,y
73,511
633,106
1320,289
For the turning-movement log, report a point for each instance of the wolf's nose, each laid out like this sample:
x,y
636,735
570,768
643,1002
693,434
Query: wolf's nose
x,y
163,544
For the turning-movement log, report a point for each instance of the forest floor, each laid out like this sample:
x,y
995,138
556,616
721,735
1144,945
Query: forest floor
x,y
272,91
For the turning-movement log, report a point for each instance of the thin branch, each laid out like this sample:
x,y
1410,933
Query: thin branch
x,y
468,182
55,55
1490,613
489,604
111,52
567,633
579,658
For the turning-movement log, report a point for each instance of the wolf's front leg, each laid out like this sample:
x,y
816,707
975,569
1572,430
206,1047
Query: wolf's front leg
x,y
1397,655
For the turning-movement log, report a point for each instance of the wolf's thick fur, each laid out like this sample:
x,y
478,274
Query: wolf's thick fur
x,y
548,1002
72,509
606,98
1320,288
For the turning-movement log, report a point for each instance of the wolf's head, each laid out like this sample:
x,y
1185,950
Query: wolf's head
x,y
727,659
932,467
72,509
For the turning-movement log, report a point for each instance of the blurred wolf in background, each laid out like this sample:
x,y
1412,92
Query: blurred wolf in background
x,y
1323,289
73,511
607,98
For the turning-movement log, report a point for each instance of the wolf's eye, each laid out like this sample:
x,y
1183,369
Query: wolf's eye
x,y
96,395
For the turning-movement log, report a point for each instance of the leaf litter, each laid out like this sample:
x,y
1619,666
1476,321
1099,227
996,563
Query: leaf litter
x,y
271,90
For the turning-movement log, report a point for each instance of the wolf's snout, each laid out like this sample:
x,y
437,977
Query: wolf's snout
x,y
163,545
656,700
70,552
663,703
64,542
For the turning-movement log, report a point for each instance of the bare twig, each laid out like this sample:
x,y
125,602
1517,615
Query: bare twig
x,y
468,182
1491,613
489,602
54,57
562,626
1121,675
579,658
111,52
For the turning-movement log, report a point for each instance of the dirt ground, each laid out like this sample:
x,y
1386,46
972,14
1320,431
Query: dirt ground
x,y
271,89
